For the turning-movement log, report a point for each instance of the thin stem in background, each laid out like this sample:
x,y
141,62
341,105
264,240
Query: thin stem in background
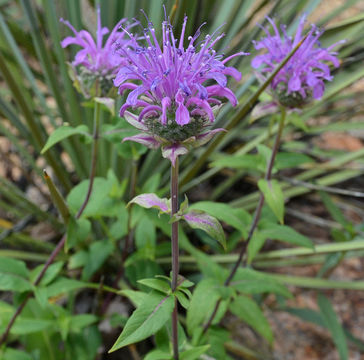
x,y
175,255
61,243
173,11
256,218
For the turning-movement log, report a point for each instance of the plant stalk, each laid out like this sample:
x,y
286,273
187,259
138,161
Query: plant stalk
x,y
61,243
257,214
175,255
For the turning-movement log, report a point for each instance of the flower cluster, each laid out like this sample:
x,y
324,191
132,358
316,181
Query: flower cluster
x,y
96,62
175,106
302,78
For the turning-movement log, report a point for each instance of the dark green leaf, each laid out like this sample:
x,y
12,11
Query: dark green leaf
x,y
286,234
62,133
255,244
51,273
194,353
77,232
332,323
156,284
203,301
12,354
99,251
12,266
250,281
136,297
158,355
248,311
146,320
273,195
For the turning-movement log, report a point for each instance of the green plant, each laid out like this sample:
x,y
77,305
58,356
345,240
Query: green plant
x,y
111,250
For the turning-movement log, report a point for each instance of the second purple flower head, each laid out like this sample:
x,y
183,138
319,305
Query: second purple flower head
x,y
302,78
174,104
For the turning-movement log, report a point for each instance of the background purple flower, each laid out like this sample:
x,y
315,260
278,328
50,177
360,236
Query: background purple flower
x,y
96,55
303,76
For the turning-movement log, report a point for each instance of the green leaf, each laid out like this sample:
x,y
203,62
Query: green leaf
x,y
200,220
237,218
10,282
77,232
332,323
316,318
12,354
245,161
307,314
152,184
136,297
333,209
273,195
297,121
41,295
99,251
182,299
156,284
63,286
286,234
12,266
194,353
145,236
62,133
24,326
204,299
285,160
255,244
51,273
250,281
78,322
146,320
248,311
99,200
158,355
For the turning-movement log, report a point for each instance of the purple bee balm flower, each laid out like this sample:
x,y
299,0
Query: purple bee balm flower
x,y
302,78
175,104
96,59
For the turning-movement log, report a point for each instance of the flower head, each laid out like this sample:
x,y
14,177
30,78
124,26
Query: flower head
x,y
96,60
302,78
175,103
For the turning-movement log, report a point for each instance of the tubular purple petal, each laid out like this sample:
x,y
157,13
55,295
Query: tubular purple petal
x,y
216,90
166,103
151,108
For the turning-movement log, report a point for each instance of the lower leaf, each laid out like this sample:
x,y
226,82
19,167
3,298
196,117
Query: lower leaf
x,y
146,320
